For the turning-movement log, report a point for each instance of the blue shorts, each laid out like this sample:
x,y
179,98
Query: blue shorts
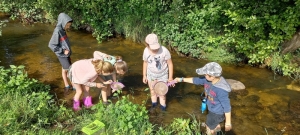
x,y
212,120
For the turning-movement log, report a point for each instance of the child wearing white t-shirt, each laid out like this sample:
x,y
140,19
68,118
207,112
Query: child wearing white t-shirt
x,y
157,66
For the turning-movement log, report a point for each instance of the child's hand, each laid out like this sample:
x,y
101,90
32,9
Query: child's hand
x,y
171,83
228,127
145,80
100,85
66,52
108,82
176,80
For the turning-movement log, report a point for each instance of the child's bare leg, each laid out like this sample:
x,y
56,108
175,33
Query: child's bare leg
x,y
78,91
104,94
162,101
212,132
64,76
108,90
218,128
86,91
76,102
152,93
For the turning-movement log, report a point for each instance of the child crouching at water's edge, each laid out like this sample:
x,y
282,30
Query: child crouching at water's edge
x,y
217,94
119,66
82,74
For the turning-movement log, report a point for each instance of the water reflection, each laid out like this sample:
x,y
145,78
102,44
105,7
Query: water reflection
x,y
269,104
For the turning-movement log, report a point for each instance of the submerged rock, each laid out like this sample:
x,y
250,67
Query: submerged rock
x,y
295,106
236,85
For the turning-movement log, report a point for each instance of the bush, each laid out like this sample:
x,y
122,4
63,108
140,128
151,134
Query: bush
x,y
123,117
26,103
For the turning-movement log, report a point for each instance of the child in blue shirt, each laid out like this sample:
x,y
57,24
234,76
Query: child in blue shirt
x,y
216,92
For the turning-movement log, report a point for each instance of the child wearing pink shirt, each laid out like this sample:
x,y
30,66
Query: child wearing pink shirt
x,y
82,74
120,67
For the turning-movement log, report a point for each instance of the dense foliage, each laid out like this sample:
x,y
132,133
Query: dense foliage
x,y
224,31
27,107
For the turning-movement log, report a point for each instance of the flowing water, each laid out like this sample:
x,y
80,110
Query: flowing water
x,y
269,105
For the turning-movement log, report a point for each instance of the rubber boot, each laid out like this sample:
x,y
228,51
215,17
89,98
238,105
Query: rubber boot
x,y
88,101
154,104
76,105
163,108
66,90
152,109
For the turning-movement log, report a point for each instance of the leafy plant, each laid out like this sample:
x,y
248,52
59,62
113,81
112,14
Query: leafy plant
x,y
26,12
221,55
182,126
15,80
26,103
131,118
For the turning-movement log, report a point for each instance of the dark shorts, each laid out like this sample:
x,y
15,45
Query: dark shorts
x,y
212,120
65,62
106,78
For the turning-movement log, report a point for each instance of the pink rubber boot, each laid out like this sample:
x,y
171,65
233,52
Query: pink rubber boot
x,y
88,101
76,105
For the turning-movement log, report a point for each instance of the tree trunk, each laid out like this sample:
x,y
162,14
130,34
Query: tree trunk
x,y
291,45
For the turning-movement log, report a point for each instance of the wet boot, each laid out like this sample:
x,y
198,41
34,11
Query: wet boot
x,y
76,105
88,101
67,90
152,109
153,105
163,108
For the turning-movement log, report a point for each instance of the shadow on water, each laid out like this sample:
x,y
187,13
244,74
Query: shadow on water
x,y
267,106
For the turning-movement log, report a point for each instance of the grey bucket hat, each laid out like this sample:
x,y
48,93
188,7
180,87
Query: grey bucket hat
x,y
212,68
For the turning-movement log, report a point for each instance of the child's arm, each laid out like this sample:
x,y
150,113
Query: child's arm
x,y
170,66
85,79
114,76
182,79
228,125
145,64
54,44
99,55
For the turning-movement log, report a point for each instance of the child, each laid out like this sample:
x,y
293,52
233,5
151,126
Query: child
x,y
60,45
216,91
82,74
157,66
120,67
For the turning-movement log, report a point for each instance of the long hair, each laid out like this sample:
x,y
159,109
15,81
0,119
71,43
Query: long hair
x,y
102,66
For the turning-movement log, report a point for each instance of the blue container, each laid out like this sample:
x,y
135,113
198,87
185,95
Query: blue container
x,y
203,106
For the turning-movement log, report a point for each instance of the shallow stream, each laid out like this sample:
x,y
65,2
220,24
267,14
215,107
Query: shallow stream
x,y
269,105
